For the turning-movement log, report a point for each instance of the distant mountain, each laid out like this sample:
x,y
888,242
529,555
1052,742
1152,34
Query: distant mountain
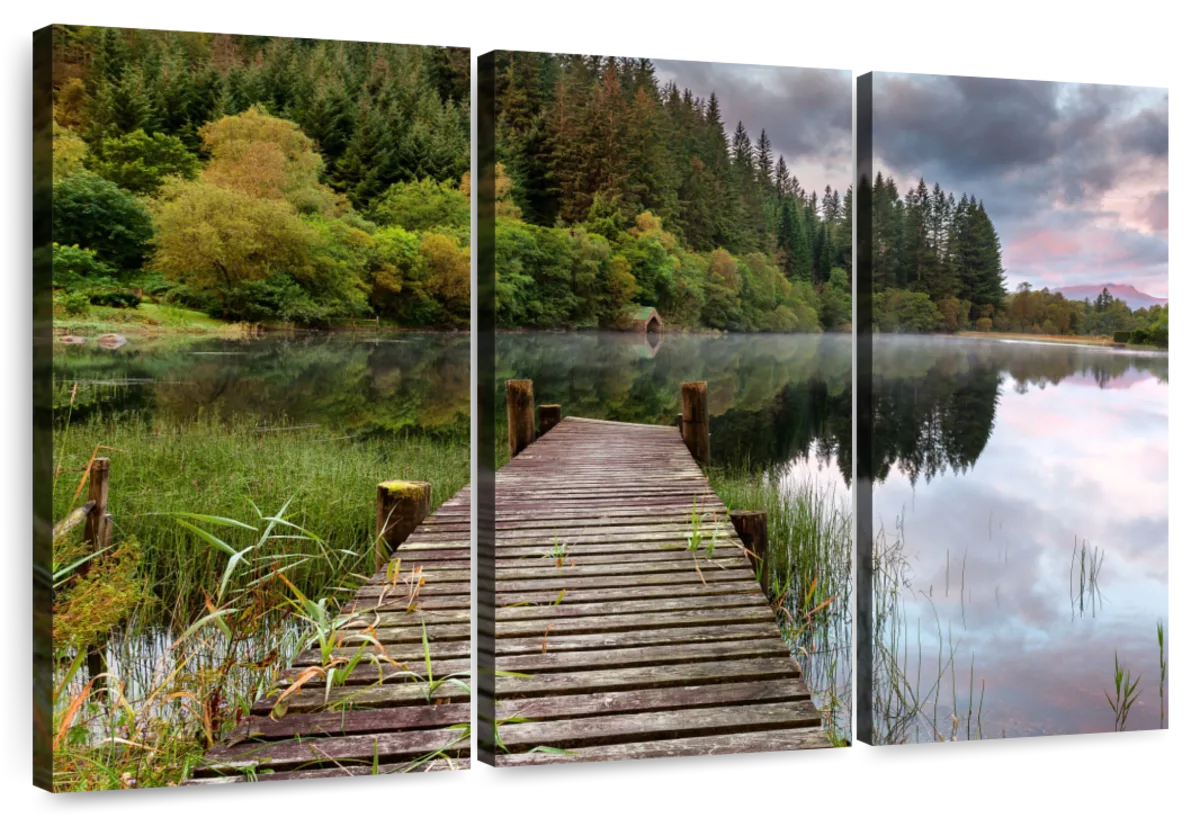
x,y
1132,296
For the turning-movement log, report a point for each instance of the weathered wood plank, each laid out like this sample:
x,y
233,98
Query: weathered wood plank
x,y
633,701
805,738
655,725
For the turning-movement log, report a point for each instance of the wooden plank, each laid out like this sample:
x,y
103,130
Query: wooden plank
x,y
461,762
644,678
350,722
633,701
655,656
365,749
805,738
655,725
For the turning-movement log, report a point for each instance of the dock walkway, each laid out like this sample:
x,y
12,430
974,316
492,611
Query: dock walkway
x,y
630,622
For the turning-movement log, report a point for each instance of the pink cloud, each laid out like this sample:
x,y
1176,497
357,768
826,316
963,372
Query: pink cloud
x,y
1035,247
1154,211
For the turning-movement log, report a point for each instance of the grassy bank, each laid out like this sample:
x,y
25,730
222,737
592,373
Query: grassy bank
x,y
145,319
1075,340
230,469
195,635
149,318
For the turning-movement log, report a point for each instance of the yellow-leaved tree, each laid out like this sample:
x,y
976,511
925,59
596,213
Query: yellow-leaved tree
x,y
449,271
214,238
269,158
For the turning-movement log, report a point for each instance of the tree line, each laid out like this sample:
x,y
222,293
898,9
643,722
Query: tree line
x,y
261,178
937,267
619,191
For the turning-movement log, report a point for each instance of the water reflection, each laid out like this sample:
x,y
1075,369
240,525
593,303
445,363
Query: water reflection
x,y
371,386
994,463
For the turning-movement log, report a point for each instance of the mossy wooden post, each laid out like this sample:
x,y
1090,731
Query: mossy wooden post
x,y
400,506
94,530
751,527
549,414
519,397
695,419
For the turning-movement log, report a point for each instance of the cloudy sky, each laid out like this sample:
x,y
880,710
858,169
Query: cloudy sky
x,y
1074,176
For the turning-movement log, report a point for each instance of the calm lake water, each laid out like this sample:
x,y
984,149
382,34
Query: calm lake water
x,y
995,461
360,384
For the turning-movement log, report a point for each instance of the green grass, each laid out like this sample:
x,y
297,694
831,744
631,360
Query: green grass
x,y
808,529
229,468
808,567
147,317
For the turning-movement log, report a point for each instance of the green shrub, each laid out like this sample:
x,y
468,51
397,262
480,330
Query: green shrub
x,y
181,295
94,213
114,298
153,284
276,298
1121,336
75,303
76,266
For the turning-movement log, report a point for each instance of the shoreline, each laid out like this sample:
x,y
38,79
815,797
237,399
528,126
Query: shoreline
x,y
1100,341
91,329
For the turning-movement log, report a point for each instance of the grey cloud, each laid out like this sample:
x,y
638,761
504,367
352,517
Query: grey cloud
x,y
1146,132
1024,148
805,111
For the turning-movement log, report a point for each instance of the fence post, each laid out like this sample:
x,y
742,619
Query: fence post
x,y
751,527
519,397
95,529
400,506
695,419
549,414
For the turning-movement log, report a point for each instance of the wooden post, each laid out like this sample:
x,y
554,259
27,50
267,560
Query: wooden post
x,y
94,530
97,531
679,422
400,506
519,396
549,414
695,419
751,526
97,662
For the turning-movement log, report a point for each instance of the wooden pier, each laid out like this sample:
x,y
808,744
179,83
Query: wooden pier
x,y
630,621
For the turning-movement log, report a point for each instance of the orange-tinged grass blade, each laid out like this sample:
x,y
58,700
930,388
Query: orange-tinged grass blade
x,y
76,703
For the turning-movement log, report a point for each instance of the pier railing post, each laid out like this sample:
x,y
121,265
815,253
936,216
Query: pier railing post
x,y
695,419
549,414
751,527
400,506
679,423
519,398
